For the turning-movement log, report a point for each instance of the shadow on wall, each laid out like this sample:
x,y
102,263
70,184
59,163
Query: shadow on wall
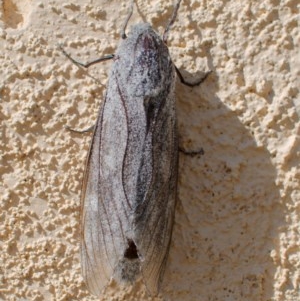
x,y
228,214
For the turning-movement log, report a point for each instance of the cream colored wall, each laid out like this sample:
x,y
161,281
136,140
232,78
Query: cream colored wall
x,y
236,235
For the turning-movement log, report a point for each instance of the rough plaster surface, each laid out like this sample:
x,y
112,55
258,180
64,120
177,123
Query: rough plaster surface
x,y
236,235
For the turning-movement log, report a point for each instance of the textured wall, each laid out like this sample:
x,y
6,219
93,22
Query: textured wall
x,y
236,235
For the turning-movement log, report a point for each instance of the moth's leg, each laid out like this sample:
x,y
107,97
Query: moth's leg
x,y
165,38
105,58
88,130
193,84
86,65
200,152
123,34
171,22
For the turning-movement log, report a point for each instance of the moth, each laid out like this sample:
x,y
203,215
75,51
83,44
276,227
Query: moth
x,y
129,187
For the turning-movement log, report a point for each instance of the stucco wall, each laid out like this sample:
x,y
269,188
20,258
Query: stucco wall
x,y
236,234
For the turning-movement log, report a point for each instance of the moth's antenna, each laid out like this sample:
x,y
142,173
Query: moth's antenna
x,y
171,22
123,34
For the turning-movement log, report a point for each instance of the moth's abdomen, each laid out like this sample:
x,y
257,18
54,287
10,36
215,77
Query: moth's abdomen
x,y
129,266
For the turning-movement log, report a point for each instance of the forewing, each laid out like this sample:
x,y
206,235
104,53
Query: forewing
x,y
154,217
105,209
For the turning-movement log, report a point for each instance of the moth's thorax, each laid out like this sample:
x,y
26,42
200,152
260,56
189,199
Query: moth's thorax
x,y
143,60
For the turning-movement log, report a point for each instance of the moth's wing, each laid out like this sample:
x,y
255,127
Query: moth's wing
x,y
104,206
154,217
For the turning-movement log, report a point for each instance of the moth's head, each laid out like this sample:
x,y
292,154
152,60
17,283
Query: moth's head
x,y
142,38
146,60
